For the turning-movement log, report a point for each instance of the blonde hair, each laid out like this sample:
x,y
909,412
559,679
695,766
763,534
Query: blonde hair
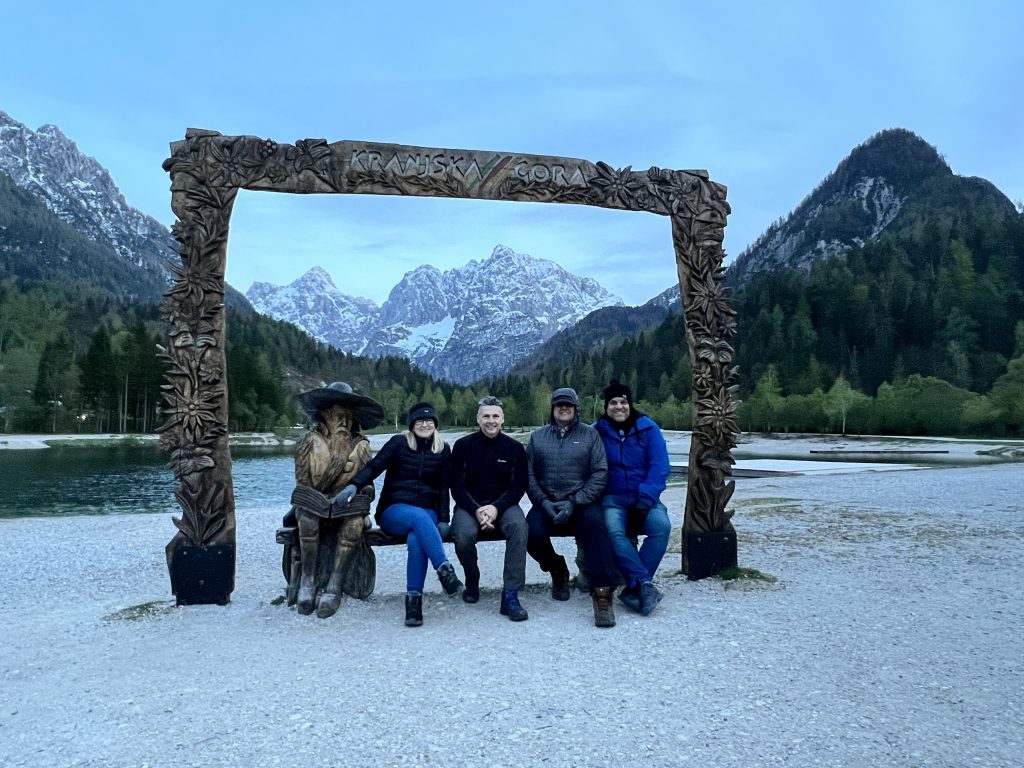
x,y
436,447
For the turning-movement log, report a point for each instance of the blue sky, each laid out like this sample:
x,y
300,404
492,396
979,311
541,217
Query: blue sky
x,y
768,97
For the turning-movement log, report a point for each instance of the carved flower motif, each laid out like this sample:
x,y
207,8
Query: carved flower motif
x,y
195,279
194,318
235,163
617,186
193,411
718,412
709,297
182,232
277,173
680,191
210,372
703,376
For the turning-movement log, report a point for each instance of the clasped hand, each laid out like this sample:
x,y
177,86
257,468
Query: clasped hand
x,y
558,511
486,515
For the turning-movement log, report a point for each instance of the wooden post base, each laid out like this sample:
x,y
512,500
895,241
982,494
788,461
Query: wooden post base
x,y
202,575
708,553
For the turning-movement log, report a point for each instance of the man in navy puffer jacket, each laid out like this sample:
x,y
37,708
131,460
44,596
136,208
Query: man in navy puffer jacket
x,y
638,470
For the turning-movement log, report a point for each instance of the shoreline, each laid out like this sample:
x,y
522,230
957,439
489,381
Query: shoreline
x,y
804,446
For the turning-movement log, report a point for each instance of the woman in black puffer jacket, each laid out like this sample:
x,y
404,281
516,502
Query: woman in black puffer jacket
x,y
413,501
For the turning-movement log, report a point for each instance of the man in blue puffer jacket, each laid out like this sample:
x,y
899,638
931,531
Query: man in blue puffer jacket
x,y
638,470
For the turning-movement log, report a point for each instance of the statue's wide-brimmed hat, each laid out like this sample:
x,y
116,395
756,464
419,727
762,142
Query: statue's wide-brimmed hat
x,y
368,413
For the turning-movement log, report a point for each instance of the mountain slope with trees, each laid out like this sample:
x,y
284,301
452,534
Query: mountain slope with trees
x,y
927,309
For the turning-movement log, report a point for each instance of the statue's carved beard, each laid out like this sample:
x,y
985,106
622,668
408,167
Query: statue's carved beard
x,y
336,421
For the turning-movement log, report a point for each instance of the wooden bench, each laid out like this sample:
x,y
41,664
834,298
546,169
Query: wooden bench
x,y
376,537
288,537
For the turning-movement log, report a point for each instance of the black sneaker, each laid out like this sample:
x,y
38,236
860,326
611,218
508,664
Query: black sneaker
x,y
649,598
630,597
413,609
511,607
449,579
471,595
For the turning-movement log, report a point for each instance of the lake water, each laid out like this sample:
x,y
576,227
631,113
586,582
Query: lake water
x,y
127,480
102,481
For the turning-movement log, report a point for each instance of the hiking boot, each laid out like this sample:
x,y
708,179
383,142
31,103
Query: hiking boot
x,y
413,609
511,607
604,613
471,595
449,579
630,598
650,596
560,580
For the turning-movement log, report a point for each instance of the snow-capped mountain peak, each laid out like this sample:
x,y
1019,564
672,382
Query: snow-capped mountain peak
x,y
467,323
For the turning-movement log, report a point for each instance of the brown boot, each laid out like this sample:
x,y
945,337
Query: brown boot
x,y
560,580
604,613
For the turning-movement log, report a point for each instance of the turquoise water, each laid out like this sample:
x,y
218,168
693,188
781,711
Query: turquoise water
x,y
103,481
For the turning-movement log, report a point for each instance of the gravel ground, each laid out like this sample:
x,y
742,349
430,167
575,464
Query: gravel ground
x,y
891,638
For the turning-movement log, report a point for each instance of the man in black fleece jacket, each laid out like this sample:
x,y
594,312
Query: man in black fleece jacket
x,y
488,478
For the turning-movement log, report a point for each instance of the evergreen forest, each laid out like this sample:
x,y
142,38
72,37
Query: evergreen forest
x,y
920,331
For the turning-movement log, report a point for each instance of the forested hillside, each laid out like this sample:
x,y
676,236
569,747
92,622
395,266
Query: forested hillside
x,y
920,331
77,359
36,245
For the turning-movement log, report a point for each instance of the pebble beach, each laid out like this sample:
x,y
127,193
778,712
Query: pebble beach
x,y
888,635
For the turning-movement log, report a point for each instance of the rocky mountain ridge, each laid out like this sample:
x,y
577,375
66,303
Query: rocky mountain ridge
x,y
893,176
462,325
81,193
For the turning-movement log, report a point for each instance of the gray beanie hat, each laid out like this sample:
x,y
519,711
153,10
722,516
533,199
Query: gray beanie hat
x,y
565,395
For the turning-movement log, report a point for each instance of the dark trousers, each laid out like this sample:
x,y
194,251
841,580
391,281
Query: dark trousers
x,y
587,525
512,524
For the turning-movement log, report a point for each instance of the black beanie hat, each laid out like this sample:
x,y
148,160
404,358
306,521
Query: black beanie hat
x,y
422,411
615,389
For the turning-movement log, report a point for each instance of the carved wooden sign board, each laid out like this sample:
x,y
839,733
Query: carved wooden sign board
x,y
207,170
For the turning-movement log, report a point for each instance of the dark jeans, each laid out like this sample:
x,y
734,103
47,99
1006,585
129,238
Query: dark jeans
x,y
587,525
512,524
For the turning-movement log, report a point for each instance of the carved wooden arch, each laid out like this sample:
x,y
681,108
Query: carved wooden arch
x,y
207,170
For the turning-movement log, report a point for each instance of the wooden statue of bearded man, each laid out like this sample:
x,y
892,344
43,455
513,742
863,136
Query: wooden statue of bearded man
x,y
334,557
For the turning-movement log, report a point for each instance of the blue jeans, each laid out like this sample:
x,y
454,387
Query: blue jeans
x,y
423,540
637,567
